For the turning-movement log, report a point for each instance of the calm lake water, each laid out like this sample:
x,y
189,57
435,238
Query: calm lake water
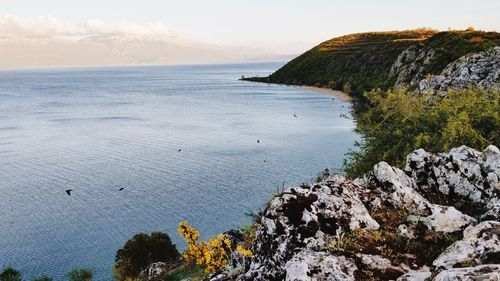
x,y
98,130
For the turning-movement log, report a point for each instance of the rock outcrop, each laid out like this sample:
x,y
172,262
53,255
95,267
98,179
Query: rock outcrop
x,y
480,70
412,65
480,245
390,225
155,271
483,272
463,177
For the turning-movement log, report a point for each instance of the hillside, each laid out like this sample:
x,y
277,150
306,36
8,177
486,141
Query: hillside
x,y
363,61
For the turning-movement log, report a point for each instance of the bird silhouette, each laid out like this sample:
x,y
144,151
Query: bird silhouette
x,y
295,115
180,149
121,188
68,191
258,141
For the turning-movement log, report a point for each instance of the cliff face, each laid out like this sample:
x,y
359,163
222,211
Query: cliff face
x,y
412,65
438,219
480,70
361,62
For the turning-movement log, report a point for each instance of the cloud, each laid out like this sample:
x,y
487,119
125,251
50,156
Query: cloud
x,y
46,41
50,27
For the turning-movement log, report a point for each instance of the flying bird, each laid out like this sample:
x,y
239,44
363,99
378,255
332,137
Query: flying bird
x,y
121,188
258,141
180,149
68,191
295,115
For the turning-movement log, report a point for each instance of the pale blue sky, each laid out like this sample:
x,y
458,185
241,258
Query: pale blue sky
x,y
289,25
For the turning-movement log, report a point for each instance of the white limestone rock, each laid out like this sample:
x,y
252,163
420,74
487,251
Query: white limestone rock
x,y
312,266
411,65
480,70
487,272
304,217
481,244
416,275
155,271
382,265
397,189
463,172
296,227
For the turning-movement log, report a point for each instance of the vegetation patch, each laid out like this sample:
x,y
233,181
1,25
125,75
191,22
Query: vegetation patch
x,y
191,272
397,121
141,251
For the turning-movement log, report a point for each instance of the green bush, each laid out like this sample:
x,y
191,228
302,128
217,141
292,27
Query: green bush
x,y
397,122
10,274
141,251
80,274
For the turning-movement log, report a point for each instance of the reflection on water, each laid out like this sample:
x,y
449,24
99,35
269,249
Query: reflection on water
x,y
98,130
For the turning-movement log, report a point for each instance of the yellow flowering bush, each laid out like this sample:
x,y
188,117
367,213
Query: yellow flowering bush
x,y
212,254
244,252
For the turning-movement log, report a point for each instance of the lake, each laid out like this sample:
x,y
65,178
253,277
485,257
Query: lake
x,y
97,130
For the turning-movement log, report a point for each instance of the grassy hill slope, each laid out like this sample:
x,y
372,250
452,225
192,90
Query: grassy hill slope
x,y
362,61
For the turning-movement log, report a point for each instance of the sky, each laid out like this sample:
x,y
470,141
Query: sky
x,y
270,27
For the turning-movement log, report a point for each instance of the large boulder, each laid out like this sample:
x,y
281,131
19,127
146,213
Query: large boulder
x,y
481,245
304,218
463,174
395,188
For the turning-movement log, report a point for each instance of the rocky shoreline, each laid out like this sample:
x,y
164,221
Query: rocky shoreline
x,y
438,219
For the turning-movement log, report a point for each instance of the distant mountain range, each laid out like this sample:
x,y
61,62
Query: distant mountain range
x,y
119,50
49,42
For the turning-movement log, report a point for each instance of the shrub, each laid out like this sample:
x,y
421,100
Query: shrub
x,y
141,251
347,88
10,274
212,255
323,176
397,122
80,274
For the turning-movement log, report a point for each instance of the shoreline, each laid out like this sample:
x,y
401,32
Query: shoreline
x,y
341,95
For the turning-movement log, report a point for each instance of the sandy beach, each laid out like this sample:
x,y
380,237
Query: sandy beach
x,y
339,94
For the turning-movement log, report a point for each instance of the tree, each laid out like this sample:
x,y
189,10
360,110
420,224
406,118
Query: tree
x,y
10,274
143,250
80,274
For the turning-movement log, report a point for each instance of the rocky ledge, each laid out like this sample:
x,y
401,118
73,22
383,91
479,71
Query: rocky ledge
x,y
481,70
438,219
